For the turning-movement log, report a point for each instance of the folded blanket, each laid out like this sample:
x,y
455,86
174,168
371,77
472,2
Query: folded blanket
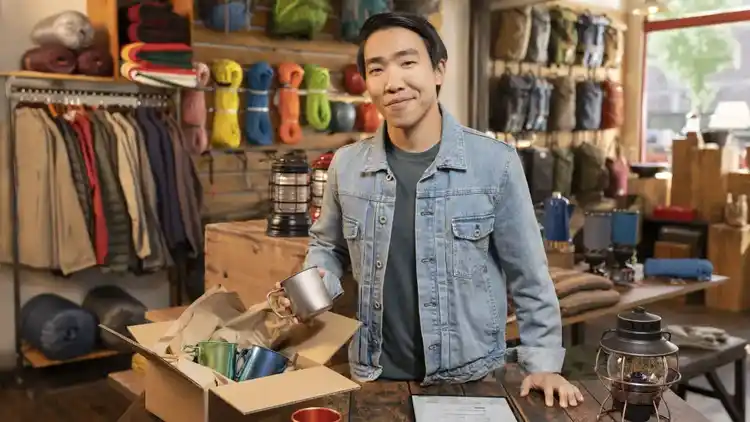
x,y
572,282
49,58
687,268
138,33
95,62
589,300
168,55
159,77
149,10
697,337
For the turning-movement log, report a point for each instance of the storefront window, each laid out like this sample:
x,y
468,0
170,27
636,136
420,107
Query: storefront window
x,y
673,9
697,78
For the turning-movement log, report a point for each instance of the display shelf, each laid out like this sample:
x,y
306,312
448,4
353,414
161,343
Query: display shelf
x,y
255,39
36,359
28,74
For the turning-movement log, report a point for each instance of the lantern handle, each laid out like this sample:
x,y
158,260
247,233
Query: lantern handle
x,y
667,335
608,332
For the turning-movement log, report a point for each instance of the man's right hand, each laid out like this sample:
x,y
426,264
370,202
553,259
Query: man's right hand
x,y
284,301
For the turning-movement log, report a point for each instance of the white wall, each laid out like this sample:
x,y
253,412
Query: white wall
x,y
455,32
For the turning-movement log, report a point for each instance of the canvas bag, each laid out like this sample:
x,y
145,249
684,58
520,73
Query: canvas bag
x,y
562,113
619,171
514,29
588,105
562,177
613,104
563,36
590,49
538,105
614,45
540,33
590,176
510,103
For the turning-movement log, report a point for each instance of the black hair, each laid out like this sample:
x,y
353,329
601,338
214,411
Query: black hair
x,y
412,22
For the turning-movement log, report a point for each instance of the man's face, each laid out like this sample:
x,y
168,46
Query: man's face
x,y
399,74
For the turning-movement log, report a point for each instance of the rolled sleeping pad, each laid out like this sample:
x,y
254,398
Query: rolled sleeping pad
x,y
116,309
343,117
57,327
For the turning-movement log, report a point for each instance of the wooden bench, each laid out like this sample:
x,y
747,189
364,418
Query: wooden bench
x,y
694,363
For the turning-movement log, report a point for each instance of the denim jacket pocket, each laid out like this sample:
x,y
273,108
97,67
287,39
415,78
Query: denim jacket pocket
x,y
471,241
353,239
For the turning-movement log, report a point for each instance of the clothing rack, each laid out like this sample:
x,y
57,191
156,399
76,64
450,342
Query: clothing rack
x,y
18,91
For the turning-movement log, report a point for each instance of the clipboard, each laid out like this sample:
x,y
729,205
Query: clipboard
x,y
453,408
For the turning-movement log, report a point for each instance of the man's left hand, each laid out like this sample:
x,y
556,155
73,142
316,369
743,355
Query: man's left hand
x,y
551,383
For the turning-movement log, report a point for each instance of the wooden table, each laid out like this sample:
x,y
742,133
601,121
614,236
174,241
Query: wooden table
x,y
385,401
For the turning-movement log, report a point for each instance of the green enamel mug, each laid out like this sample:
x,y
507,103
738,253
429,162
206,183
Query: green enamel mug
x,y
221,356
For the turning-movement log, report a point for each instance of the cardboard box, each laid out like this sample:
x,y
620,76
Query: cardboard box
x,y
178,390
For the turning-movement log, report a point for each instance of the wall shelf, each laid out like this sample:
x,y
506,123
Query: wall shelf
x,y
36,359
254,39
28,74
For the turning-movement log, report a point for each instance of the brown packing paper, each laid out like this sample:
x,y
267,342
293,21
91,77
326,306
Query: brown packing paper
x,y
220,315
258,326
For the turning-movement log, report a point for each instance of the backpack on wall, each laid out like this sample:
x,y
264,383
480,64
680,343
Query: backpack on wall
x,y
510,102
539,165
588,105
538,105
614,45
563,36
514,29
419,7
590,176
562,172
590,49
613,105
541,27
562,112
355,12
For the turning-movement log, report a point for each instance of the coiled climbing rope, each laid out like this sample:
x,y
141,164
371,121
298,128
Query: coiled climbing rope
x,y
317,105
258,128
290,77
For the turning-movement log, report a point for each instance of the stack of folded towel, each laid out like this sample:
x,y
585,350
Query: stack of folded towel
x,y
155,46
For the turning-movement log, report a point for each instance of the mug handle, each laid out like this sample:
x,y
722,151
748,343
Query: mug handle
x,y
270,303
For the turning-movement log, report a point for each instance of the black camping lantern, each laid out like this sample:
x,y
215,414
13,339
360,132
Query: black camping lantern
x,y
290,196
637,362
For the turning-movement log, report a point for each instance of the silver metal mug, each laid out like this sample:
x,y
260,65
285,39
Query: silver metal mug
x,y
307,293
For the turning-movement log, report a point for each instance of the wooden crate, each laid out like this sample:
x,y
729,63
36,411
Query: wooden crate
x,y
728,250
682,170
241,257
652,191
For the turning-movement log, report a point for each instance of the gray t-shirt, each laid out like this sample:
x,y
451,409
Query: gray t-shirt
x,y
403,349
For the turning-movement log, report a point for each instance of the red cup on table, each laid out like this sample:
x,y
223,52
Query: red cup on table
x,y
316,414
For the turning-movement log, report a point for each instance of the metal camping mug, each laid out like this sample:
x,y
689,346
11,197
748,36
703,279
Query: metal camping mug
x,y
258,362
316,414
220,356
307,293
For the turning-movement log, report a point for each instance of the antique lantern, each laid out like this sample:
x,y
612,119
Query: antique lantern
x,y
637,362
290,196
318,183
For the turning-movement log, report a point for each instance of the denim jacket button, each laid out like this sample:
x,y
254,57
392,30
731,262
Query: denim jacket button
x,y
376,305
379,264
383,219
433,347
477,233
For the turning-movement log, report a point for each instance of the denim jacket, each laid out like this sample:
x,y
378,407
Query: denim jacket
x,y
477,239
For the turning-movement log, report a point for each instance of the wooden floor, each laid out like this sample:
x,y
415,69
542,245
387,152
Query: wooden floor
x,y
96,401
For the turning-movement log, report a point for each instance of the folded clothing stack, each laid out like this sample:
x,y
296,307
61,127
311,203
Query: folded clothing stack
x,y
162,65
579,292
156,48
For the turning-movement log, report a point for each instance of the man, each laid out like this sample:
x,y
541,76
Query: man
x,y
437,223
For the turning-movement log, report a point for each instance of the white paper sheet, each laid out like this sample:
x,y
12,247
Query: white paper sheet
x,y
462,409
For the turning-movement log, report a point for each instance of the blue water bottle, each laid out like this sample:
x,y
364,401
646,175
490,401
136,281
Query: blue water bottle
x,y
557,222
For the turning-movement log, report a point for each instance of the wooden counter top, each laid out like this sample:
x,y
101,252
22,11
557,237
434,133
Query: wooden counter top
x,y
385,401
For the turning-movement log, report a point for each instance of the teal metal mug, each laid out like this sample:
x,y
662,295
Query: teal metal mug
x,y
221,356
